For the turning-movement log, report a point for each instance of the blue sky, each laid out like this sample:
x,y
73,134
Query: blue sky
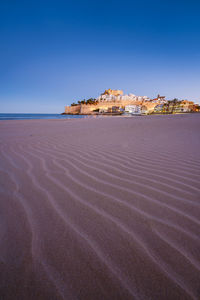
x,y
53,53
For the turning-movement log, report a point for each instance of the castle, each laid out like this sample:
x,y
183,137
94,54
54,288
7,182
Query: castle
x,y
113,92
107,100
114,101
117,95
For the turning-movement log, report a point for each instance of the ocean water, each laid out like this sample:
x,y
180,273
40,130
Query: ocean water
x,y
4,116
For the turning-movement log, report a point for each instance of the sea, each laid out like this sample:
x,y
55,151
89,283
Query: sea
x,y
18,116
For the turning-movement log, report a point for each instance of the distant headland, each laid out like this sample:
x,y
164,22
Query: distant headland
x,y
114,102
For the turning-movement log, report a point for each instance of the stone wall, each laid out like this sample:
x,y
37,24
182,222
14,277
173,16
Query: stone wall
x,y
73,110
86,109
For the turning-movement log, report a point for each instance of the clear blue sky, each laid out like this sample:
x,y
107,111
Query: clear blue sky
x,y
55,52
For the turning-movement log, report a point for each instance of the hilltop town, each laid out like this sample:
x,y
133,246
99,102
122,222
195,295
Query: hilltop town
x,y
114,102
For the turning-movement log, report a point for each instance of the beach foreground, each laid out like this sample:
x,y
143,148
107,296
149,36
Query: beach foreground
x,y
104,208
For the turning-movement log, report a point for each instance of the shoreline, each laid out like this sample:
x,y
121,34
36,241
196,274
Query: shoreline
x,y
97,116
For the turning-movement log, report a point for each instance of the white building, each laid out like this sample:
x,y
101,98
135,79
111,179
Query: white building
x,y
129,97
133,109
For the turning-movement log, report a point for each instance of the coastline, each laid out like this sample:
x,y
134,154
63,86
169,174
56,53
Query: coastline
x,y
101,208
63,116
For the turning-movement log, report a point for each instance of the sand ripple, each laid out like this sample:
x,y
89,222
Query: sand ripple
x,y
100,208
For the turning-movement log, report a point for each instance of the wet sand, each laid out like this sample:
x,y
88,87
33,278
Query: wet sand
x,y
100,208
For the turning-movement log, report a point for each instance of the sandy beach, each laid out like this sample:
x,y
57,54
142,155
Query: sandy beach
x,y
100,208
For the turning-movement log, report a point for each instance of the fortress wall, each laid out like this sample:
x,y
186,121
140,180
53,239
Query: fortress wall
x,y
72,109
86,109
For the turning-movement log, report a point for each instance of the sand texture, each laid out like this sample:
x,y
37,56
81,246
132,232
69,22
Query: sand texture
x,y
100,208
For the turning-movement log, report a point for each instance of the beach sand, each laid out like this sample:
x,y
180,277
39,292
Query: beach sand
x,y
100,208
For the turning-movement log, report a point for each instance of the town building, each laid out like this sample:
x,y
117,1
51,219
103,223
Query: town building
x,y
159,99
114,101
133,109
